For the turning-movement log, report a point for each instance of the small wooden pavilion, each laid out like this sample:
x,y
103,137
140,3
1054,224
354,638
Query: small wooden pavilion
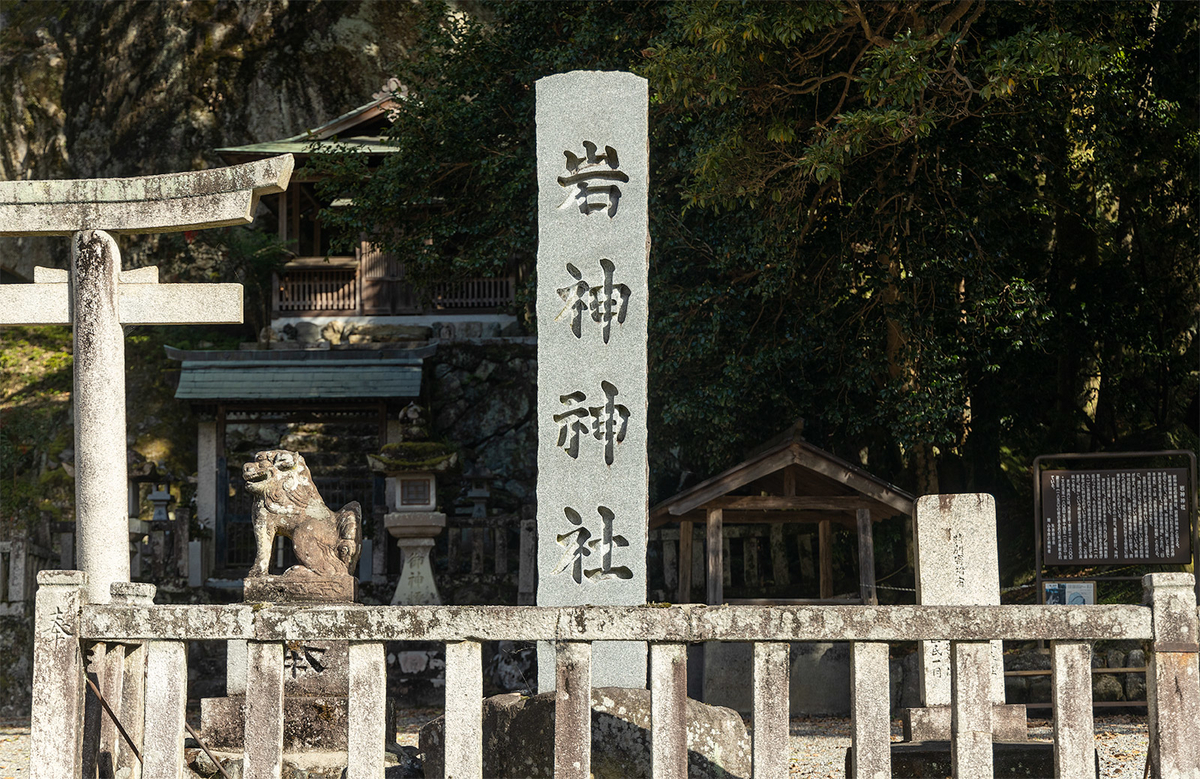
x,y
787,481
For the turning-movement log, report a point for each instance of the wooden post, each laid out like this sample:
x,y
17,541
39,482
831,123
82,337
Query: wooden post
x,y
825,541
779,562
750,560
685,563
866,558
527,565
716,555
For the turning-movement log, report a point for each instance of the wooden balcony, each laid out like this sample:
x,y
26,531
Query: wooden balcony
x,y
374,284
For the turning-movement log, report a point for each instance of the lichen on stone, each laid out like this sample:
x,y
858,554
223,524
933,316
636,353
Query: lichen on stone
x,y
415,456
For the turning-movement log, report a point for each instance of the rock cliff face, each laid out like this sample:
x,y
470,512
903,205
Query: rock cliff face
x,y
131,88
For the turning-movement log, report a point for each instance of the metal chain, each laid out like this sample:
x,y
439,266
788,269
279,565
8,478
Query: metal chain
x,y
910,589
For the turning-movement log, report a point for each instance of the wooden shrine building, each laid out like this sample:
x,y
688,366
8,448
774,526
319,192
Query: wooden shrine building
x,y
787,481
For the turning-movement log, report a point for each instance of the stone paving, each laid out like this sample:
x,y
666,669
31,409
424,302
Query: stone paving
x,y
818,743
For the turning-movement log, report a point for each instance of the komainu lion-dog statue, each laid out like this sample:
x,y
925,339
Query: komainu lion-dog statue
x,y
286,502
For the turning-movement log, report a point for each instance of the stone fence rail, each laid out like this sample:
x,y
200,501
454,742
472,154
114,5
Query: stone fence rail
x,y
145,646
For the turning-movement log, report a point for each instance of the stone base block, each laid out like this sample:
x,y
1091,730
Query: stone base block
x,y
518,737
309,723
1010,760
932,723
287,589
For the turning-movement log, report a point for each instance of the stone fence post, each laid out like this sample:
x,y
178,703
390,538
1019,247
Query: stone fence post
x,y
56,727
1173,678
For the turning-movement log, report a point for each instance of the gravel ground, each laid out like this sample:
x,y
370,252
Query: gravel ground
x,y
818,743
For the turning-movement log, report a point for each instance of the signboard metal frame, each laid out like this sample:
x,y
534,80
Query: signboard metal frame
x,y
1038,517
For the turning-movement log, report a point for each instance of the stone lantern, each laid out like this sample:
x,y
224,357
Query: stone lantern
x,y
480,480
410,470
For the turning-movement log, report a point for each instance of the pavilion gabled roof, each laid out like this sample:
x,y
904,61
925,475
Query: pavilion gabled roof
x,y
825,487
361,129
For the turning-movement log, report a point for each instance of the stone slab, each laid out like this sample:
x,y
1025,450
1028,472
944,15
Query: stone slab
x,y
138,304
298,590
932,723
310,723
592,303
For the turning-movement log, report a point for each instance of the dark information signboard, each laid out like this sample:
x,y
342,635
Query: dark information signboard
x,y
1138,515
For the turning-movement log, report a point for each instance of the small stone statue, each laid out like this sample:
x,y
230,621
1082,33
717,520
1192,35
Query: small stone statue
x,y
286,502
412,423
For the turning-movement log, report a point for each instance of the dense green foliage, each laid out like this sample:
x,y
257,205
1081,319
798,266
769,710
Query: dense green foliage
x,y
951,236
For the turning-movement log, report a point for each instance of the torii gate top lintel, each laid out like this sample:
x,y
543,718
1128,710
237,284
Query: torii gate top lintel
x,y
96,297
171,202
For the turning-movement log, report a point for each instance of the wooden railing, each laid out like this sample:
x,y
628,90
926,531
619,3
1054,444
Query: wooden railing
x,y
472,293
147,646
334,289
345,289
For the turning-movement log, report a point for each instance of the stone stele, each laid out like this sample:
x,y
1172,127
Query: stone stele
x,y
592,304
957,565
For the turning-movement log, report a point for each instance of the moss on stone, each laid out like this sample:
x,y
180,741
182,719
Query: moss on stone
x,y
416,456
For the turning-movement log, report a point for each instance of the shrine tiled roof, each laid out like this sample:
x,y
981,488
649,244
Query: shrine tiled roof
x,y
299,380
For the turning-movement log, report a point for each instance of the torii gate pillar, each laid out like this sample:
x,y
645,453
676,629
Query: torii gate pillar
x,y
97,298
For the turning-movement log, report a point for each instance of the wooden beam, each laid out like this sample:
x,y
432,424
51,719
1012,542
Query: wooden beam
x,y
685,563
729,481
744,517
789,481
826,555
866,558
792,503
856,481
715,549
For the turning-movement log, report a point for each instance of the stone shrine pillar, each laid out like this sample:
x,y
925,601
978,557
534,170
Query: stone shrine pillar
x,y
592,309
957,565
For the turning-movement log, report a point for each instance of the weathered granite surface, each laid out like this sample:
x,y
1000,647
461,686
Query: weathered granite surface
x,y
311,722
286,502
592,303
518,735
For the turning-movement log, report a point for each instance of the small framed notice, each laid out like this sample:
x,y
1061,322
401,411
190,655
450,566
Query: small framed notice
x,y
1072,593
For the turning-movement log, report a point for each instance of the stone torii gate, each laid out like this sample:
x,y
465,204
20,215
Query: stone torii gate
x,y
97,298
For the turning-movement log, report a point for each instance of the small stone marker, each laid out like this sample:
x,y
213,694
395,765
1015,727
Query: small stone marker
x,y
593,260
97,298
957,565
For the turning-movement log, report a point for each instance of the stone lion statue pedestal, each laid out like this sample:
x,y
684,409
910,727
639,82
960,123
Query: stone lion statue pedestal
x,y
316,682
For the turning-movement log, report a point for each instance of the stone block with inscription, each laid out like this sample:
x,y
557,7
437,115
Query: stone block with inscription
x,y
957,565
593,254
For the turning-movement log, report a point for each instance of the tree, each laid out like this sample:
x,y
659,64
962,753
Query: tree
x,y
951,235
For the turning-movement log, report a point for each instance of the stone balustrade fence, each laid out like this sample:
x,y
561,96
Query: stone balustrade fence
x,y
138,654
